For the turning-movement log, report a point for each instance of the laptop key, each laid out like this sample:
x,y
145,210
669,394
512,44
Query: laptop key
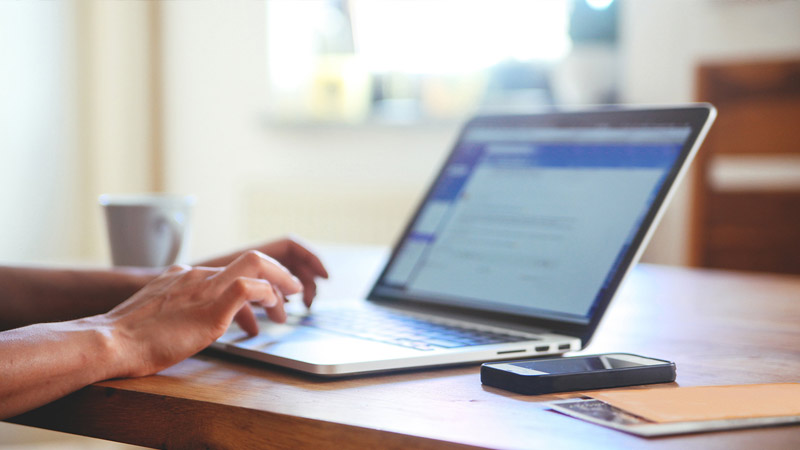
x,y
403,330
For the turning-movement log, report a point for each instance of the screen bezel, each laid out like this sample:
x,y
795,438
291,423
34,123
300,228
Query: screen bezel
x,y
697,116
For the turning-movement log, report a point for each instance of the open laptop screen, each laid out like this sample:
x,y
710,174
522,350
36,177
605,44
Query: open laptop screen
x,y
533,221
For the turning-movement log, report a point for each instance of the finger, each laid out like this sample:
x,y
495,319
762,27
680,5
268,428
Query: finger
x,y
308,279
254,264
277,313
208,269
243,290
306,257
247,320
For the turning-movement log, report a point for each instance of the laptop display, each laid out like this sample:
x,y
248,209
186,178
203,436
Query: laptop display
x,y
533,220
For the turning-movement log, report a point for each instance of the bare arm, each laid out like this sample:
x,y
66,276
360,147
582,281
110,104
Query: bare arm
x,y
43,362
35,295
176,315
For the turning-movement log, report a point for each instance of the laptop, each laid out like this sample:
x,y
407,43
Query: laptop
x,y
516,250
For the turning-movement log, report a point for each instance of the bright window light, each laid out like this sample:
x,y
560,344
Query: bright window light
x,y
334,60
451,36
291,44
599,4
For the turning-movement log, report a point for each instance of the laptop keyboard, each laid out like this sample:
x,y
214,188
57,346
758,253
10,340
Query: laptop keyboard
x,y
406,330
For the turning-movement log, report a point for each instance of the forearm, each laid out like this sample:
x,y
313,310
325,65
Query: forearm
x,y
35,295
174,316
43,362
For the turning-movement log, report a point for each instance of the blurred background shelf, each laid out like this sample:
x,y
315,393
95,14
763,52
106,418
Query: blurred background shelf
x,y
747,189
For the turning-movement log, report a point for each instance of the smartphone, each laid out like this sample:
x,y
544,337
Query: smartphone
x,y
576,373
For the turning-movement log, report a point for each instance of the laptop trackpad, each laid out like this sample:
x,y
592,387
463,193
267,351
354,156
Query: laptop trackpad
x,y
316,346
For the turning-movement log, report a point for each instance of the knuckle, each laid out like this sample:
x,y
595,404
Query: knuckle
x,y
178,268
239,287
195,274
252,256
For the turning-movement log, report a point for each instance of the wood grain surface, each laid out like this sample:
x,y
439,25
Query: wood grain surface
x,y
719,327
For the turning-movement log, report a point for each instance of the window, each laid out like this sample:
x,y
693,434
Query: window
x,y
408,60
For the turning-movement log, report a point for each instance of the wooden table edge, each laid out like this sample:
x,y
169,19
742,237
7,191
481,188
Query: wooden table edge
x,y
175,422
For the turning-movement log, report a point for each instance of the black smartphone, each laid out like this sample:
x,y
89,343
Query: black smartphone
x,y
576,373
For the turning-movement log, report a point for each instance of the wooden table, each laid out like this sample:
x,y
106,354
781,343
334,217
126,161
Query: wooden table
x,y
719,327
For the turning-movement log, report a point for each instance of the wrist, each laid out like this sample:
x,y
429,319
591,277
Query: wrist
x,y
46,361
108,346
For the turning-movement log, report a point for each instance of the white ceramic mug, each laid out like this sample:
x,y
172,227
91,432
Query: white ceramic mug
x,y
147,230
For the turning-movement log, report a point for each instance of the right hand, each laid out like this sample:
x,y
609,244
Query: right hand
x,y
186,309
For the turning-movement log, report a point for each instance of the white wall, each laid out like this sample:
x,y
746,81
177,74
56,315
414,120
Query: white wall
x,y
39,184
115,105
662,42
74,122
253,182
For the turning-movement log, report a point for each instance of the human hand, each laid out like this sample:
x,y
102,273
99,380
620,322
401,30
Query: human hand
x,y
185,309
304,264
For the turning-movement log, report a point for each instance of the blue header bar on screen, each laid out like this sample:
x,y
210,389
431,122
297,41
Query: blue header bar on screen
x,y
621,135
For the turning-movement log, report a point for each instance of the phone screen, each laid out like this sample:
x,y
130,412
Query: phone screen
x,y
579,364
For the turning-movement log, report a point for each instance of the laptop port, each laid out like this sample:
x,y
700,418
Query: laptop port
x,y
542,348
564,347
505,352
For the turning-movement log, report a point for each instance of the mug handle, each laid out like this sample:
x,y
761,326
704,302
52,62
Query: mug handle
x,y
176,238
